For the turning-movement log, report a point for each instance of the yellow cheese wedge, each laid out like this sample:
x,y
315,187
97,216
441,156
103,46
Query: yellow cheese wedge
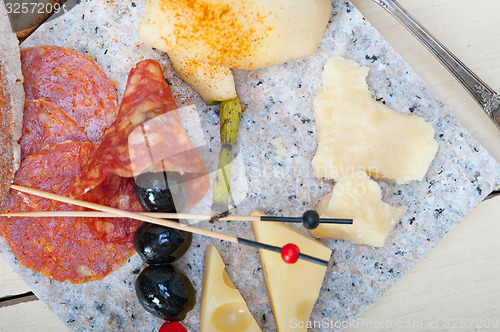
x,y
360,198
356,132
213,83
292,288
222,306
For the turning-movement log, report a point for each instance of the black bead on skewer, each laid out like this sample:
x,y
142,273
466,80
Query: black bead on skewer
x,y
310,219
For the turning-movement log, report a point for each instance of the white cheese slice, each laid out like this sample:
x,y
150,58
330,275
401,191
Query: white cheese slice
x,y
359,198
357,133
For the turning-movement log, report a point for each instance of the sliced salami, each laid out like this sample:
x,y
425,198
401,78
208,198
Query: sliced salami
x,y
159,142
74,82
115,192
73,249
45,124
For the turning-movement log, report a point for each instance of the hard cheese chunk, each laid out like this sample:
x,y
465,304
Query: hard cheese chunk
x,y
293,288
213,83
222,306
356,132
359,198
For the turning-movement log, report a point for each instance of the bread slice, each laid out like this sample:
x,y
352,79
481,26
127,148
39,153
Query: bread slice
x,y
11,104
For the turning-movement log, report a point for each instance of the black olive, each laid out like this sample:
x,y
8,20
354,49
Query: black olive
x,y
160,245
165,292
161,192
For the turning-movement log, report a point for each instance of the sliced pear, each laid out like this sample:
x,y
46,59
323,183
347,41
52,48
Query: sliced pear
x,y
212,82
292,288
357,133
222,306
234,33
359,198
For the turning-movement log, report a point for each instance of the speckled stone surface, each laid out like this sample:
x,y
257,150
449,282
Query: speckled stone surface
x,y
279,105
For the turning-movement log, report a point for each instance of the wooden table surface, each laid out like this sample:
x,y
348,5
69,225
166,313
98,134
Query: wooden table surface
x,y
455,287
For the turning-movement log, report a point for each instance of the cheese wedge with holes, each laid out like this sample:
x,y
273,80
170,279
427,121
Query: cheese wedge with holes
x,y
222,306
292,288
359,198
357,133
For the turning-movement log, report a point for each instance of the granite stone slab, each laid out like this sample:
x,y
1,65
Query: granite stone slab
x,y
279,103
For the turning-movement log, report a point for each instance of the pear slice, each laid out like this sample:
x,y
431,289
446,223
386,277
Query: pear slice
x,y
293,288
236,34
222,306
212,82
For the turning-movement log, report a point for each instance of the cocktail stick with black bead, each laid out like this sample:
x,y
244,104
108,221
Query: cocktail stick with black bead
x,y
290,252
310,219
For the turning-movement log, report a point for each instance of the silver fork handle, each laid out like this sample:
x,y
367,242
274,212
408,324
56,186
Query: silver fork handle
x,y
486,97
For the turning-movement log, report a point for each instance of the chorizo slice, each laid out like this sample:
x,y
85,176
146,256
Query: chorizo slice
x,y
74,82
148,128
45,124
72,248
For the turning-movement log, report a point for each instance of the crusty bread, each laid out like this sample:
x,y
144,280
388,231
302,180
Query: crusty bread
x,y
11,104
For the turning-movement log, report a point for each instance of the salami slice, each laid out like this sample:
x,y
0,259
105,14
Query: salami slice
x,y
45,124
116,192
161,145
73,249
74,82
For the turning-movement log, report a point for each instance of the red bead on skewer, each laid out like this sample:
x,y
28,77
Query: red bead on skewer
x,y
290,253
172,327
279,251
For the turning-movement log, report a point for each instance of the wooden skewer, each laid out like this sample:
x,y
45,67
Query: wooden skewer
x,y
158,221
95,214
126,214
